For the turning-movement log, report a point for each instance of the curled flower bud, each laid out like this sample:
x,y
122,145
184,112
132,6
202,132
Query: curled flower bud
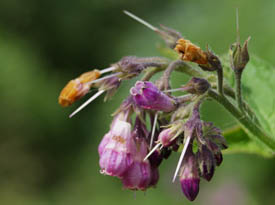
x,y
147,96
191,52
115,149
239,56
189,177
206,163
77,88
139,174
197,86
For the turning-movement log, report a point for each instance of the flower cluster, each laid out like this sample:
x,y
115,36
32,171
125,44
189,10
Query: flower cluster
x,y
164,123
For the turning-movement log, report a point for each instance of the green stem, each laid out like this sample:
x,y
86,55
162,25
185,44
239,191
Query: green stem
x,y
238,75
150,72
247,124
220,80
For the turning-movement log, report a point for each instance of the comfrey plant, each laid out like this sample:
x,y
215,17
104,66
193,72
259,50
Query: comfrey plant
x,y
133,151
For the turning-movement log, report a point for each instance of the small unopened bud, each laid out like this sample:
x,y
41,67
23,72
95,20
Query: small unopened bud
x,y
197,86
206,163
189,177
168,136
147,96
77,88
191,52
239,56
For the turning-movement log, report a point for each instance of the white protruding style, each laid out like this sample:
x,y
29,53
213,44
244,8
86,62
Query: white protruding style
x,y
151,152
181,157
106,70
141,20
87,102
104,78
153,130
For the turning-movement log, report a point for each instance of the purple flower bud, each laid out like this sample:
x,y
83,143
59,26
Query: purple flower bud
x,y
154,177
147,96
115,149
156,158
138,175
189,177
166,137
219,158
206,163
214,148
197,86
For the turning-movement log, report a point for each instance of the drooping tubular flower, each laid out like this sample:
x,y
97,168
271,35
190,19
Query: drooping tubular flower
x,y
139,175
116,147
147,96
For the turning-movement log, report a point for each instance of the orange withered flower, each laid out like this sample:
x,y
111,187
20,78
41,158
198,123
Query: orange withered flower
x,y
191,52
77,88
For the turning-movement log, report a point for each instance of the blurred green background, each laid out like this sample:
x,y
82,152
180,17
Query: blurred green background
x,y
47,158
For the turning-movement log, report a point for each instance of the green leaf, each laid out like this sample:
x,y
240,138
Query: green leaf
x,y
258,91
239,142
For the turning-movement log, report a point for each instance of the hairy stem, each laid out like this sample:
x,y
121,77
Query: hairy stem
x,y
220,80
247,124
238,75
168,71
